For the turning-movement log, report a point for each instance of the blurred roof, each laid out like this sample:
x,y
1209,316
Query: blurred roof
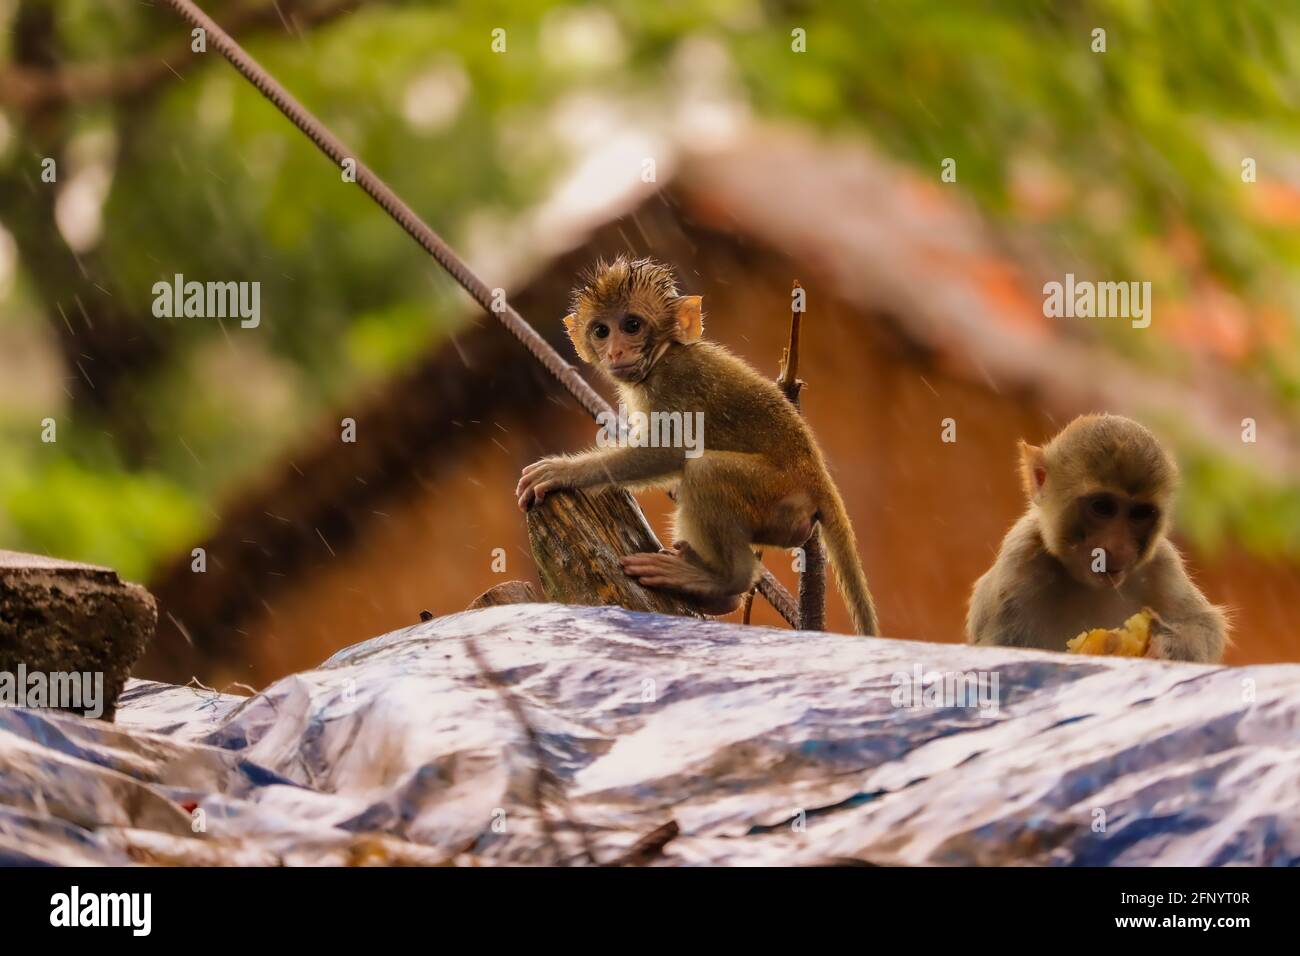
x,y
912,249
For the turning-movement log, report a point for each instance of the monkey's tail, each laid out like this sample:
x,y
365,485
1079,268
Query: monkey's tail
x,y
842,548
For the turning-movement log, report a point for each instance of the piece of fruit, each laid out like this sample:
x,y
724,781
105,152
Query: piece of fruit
x,y
1130,640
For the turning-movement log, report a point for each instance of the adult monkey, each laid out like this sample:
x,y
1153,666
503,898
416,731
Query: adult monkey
x,y
1091,548
760,479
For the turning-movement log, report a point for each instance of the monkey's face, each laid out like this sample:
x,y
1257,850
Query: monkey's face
x,y
627,313
1106,535
624,345
1102,486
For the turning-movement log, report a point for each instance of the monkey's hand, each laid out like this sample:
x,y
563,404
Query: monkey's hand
x,y
1161,638
543,477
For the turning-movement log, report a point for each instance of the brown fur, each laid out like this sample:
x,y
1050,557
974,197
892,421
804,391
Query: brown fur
x,y
1043,590
761,479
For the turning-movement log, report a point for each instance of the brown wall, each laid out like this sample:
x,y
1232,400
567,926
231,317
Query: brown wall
x,y
929,515
432,550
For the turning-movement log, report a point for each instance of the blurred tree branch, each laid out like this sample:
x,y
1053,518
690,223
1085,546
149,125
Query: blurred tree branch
x,y
28,89
103,344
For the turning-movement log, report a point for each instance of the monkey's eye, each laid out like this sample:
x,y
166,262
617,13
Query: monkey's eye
x,y
600,330
1103,507
632,324
1142,512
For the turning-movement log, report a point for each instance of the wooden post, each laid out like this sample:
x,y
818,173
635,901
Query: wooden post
x,y
577,539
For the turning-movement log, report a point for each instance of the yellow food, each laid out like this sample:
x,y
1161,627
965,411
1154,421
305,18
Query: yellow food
x,y
1131,640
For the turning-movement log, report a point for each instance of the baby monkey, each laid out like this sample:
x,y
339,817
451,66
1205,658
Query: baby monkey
x,y
759,478
1091,549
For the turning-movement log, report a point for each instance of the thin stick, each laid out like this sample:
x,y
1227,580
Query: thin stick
x,y
543,772
812,580
788,378
649,846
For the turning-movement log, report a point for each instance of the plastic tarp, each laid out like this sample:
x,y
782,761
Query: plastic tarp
x,y
551,734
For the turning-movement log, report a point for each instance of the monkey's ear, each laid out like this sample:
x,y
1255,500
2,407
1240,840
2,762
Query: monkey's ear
x,y
1033,469
690,318
575,336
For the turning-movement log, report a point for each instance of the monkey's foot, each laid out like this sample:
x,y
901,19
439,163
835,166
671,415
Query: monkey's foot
x,y
714,606
668,570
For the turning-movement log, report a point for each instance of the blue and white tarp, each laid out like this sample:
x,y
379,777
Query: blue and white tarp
x,y
763,746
